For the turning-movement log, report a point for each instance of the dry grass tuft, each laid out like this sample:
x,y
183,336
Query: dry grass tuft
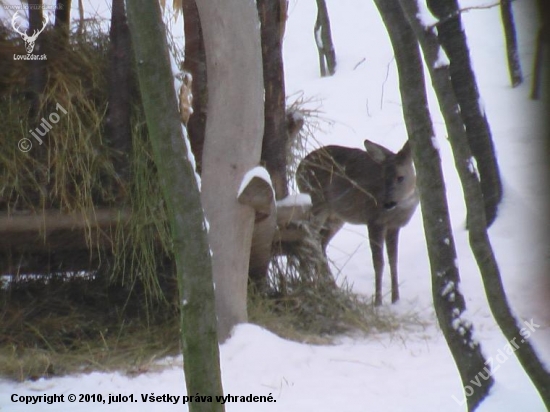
x,y
119,315
304,303
73,170
75,323
308,110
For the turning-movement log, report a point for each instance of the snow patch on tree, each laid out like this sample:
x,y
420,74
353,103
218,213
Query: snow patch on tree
x,y
464,326
472,167
177,78
425,16
319,38
449,286
190,155
299,199
259,172
442,59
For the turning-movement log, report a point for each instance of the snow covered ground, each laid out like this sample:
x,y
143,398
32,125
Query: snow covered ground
x,y
407,370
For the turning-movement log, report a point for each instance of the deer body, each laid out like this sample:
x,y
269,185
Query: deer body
x,y
375,187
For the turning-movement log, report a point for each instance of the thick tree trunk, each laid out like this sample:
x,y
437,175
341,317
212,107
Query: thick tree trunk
x,y
323,39
274,153
514,65
181,193
195,63
479,241
63,19
453,39
117,124
448,301
233,144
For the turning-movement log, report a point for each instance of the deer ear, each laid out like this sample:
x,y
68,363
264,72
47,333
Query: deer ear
x,y
376,152
405,152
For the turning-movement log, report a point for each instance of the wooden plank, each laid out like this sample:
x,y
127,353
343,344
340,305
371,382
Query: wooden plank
x,y
51,220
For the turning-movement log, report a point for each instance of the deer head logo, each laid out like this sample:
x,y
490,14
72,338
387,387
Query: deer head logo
x,y
29,40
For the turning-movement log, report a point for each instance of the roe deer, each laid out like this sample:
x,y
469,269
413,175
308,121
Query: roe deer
x,y
375,187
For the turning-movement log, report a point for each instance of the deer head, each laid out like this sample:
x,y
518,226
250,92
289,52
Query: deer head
x,y
29,40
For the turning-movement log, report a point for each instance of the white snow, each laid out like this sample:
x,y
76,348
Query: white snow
x,y
298,199
472,167
296,116
190,155
408,370
425,16
449,287
442,59
318,38
259,172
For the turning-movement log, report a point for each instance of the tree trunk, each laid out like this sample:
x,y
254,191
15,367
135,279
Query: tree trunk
x,y
514,65
272,16
117,124
479,241
453,39
63,19
181,194
195,63
448,301
36,81
323,39
80,30
232,146
537,65
543,41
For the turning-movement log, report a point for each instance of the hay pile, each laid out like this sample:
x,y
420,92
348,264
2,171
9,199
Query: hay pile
x,y
73,170
74,323
111,305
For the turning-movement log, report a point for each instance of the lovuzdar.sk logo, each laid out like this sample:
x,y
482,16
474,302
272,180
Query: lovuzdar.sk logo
x,y
29,40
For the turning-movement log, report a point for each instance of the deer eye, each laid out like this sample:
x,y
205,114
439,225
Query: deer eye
x,y
400,179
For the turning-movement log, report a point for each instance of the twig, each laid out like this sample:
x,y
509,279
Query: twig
x,y
384,82
460,11
359,63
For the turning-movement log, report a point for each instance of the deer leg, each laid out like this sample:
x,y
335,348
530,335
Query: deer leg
x,y
331,225
330,228
392,237
319,221
376,239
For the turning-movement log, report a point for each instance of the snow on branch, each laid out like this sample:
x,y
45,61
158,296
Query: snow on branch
x,y
256,172
257,191
296,200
